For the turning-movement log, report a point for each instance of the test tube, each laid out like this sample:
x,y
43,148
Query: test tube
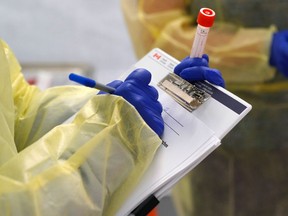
x,y
205,20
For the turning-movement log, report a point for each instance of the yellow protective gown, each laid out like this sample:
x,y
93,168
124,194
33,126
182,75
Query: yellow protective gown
x,y
248,174
167,25
86,167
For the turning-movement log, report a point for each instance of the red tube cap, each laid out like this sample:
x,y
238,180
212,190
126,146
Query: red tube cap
x,y
206,17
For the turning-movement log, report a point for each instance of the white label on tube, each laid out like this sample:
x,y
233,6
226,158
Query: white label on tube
x,y
199,41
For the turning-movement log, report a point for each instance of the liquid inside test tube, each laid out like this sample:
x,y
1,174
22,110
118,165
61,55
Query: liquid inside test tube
x,y
205,20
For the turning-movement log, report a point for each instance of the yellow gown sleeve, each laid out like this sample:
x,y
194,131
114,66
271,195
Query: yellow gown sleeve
x,y
86,167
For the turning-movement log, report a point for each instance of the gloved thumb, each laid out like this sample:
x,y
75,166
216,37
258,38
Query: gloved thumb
x,y
115,84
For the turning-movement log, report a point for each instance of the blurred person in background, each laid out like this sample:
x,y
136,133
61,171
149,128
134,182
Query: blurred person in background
x,y
248,43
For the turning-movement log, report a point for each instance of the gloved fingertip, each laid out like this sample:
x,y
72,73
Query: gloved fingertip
x,y
214,76
221,83
206,57
159,130
177,69
182,65
140,75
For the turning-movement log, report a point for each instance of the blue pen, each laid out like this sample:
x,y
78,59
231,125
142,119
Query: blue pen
x,y
90,83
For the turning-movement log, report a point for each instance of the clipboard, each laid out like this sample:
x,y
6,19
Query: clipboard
x,y
189,135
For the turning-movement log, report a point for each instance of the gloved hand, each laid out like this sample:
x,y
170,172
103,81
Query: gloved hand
x,y
279,52
196,69
137,91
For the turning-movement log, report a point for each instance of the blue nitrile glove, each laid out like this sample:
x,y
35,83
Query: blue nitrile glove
x,y
279,52
197,69
137,91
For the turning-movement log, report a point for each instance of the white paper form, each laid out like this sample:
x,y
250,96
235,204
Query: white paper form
x,y
188,137
189,164
184,137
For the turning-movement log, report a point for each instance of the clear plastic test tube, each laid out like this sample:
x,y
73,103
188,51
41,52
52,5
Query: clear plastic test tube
x,y
205,20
